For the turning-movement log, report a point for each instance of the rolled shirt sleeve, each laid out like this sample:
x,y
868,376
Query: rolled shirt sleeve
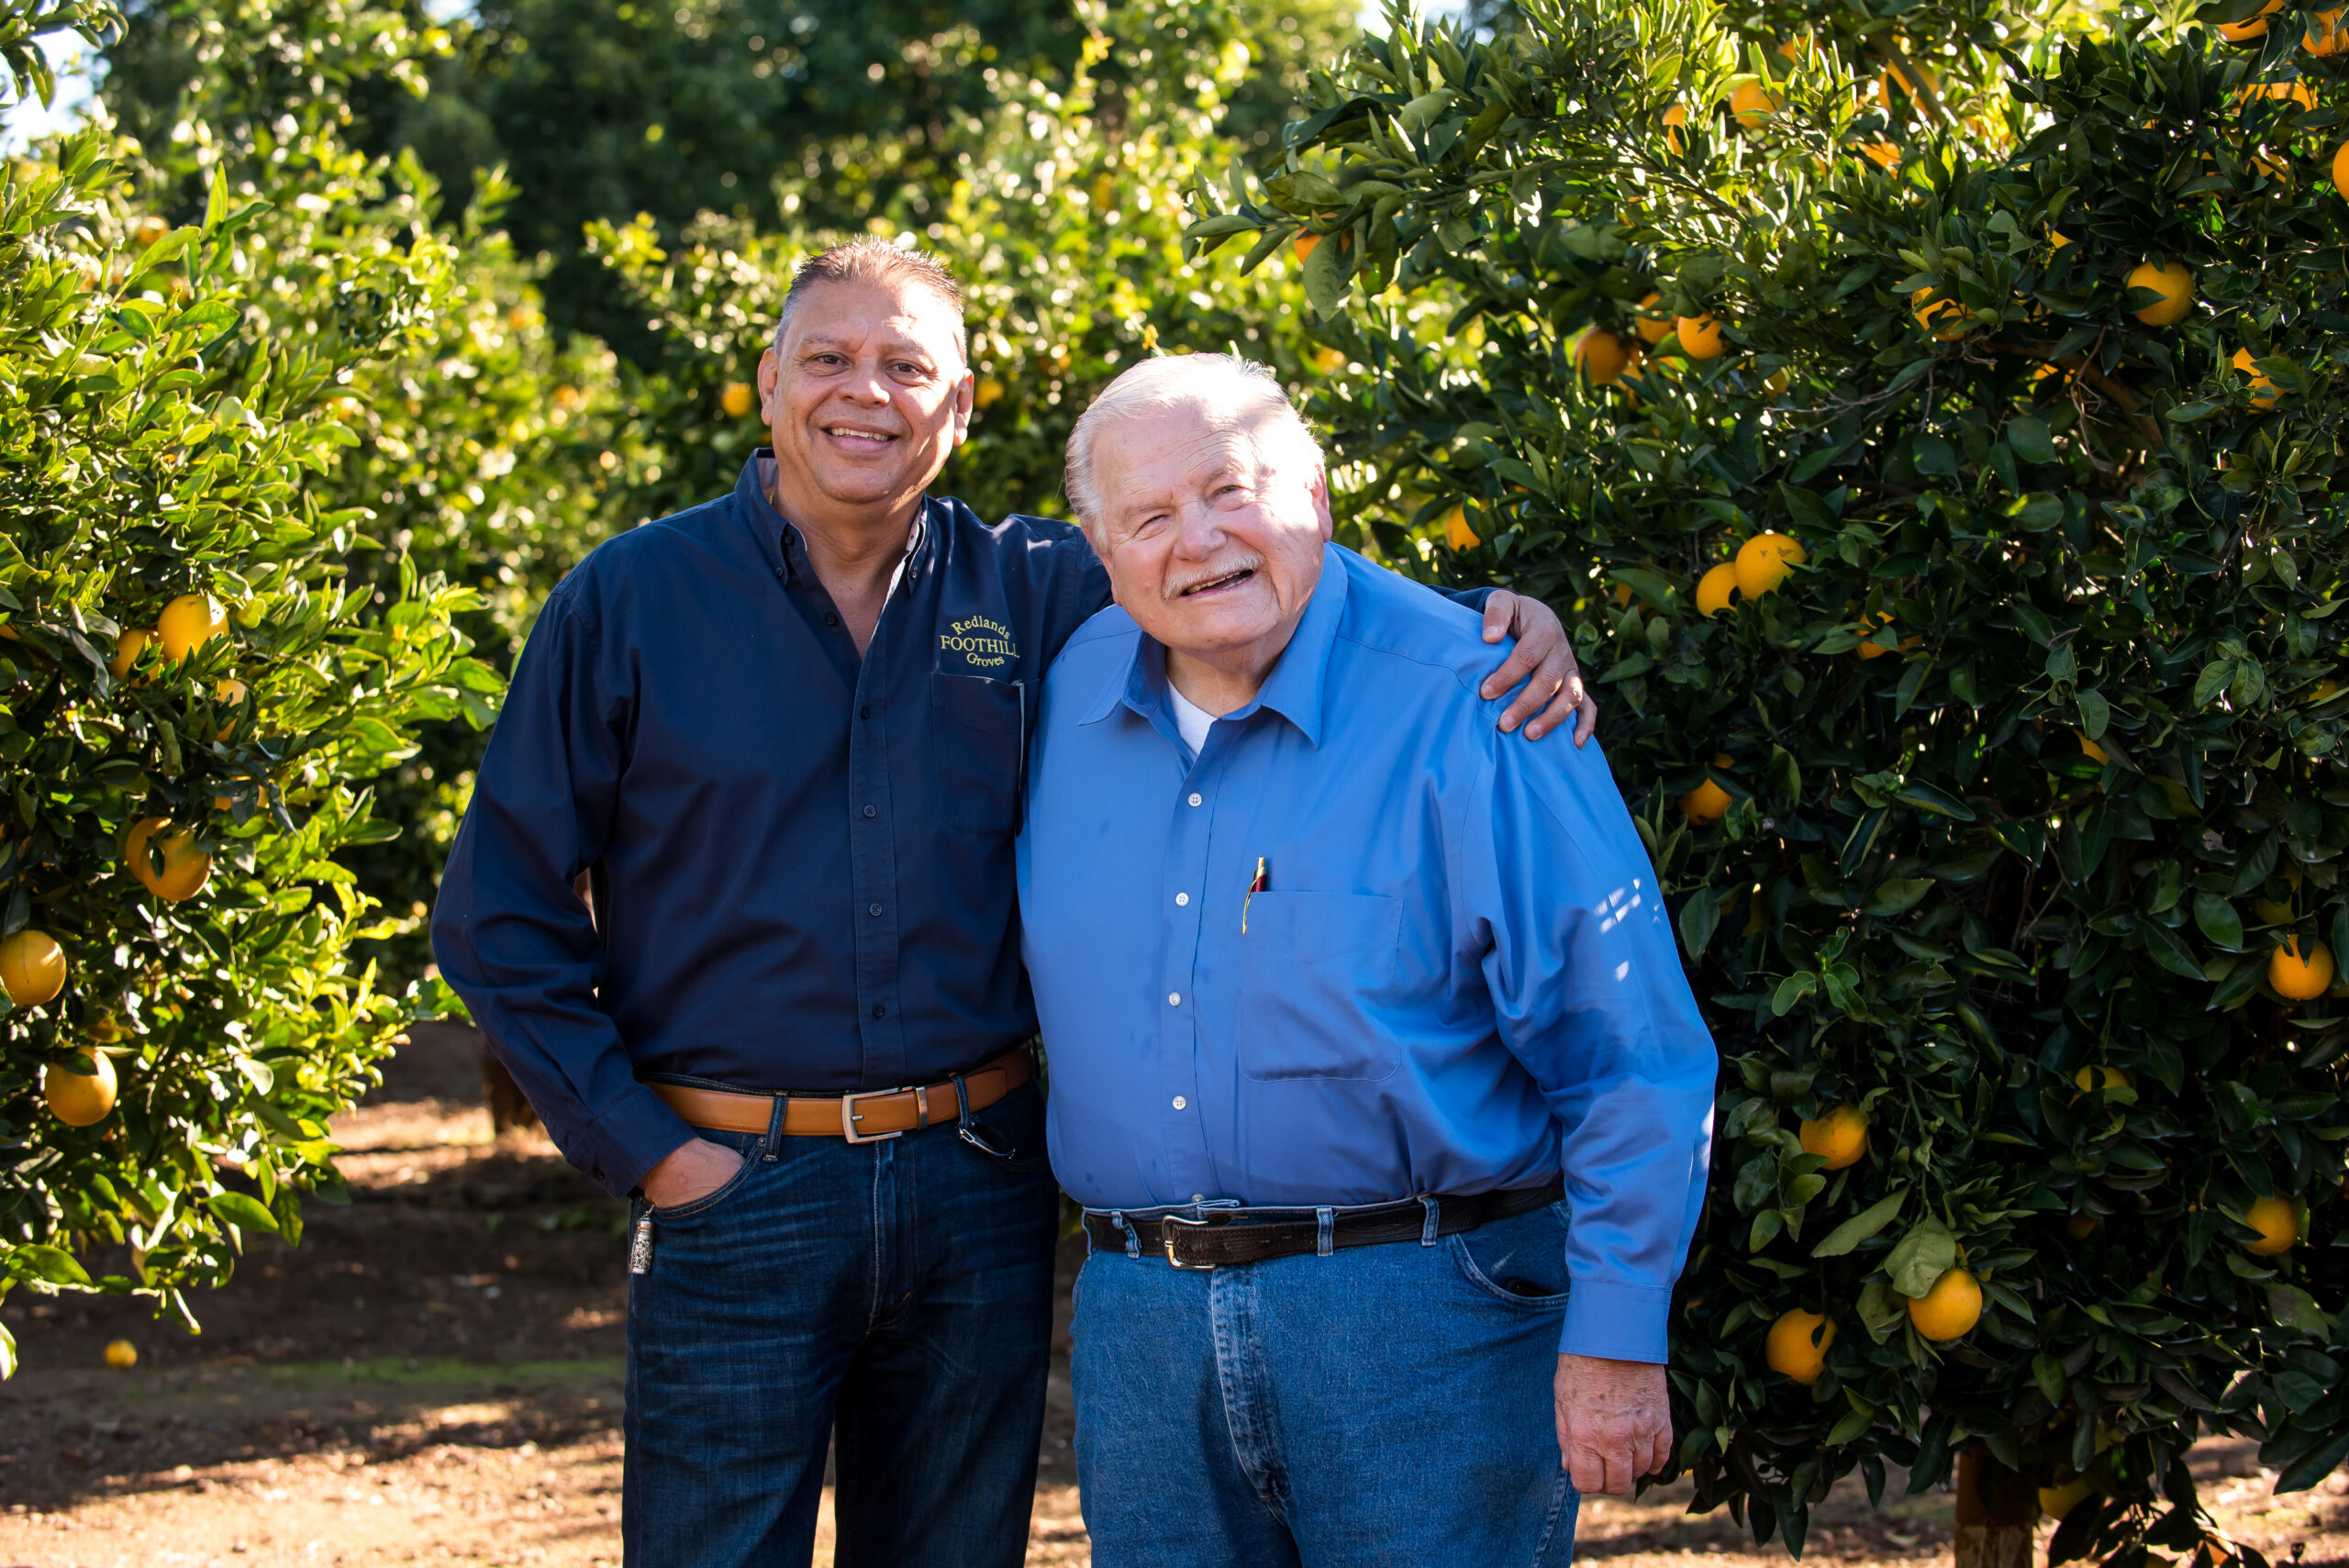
x,y
1589,995
507,929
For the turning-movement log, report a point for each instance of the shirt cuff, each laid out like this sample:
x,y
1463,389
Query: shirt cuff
x,y
1616,1322
631,1137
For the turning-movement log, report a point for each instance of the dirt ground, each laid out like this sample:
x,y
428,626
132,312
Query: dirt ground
x,y
434,1376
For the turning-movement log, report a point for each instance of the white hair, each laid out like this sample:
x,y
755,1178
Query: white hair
x,y
1236,394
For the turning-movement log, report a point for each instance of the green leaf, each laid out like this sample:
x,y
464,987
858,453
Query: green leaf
x,y
1861,1226
240,1210
2027,433
1927,798
1699,912
1922,1256
1897,895
2219,921
2167,949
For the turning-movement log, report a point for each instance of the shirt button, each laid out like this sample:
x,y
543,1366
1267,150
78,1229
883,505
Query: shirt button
x,y
872,811
864,712
872,910
879,1011
1173,998
1195,800
1198,1197
1181,899
782,574
831,620
1179,1103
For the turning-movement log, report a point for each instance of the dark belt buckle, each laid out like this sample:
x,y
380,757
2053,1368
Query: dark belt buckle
x,y
1167,1236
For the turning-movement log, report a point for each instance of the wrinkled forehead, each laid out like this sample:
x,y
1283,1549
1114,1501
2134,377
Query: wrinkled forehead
x,y
1182,445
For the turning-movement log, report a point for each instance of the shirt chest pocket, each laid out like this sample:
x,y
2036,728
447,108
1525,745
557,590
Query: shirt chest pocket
x,y
977,747
1309,963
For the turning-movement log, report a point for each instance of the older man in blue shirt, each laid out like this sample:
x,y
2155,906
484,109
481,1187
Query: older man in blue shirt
x,y
1372,1060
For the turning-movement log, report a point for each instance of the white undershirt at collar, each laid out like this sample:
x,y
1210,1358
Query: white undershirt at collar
x,y
1190,718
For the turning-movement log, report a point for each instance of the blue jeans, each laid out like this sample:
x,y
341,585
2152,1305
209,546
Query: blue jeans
x,y
1381,1405
895,1297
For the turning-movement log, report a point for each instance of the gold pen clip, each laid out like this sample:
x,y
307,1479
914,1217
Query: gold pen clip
x,y
1262,881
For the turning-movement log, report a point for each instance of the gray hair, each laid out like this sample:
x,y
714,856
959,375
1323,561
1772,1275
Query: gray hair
x,y
869,259
1236,394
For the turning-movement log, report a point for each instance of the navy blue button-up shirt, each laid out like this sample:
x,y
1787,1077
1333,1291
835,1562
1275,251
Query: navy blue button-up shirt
x,y
1457,976
801,860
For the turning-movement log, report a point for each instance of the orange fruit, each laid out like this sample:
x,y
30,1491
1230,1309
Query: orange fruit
x,y
32,967
1675,118
1797,1343
2057,1501
1840,1136
2278,1225
2271,913
2341,167
1949,1309
1927,313
1764,560
2298,979
1602,357
2080,1226
1893,77
1456,531
1700,337
188,623
2088,1080
2299,93
2263,391
1752,104
127,649
1708,802
2322,35
1654,329
186,867
2176,286
2256,27
989,392
79,1099
2090,750
1714,588
1873,650
121,1354
738,399
1883,154
1305,244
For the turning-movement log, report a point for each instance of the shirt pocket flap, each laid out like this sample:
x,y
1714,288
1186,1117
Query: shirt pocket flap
x,y
1313,927
992,707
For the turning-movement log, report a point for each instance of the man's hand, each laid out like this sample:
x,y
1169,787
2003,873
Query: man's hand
x,y
1614,1422
1543,661
688,1173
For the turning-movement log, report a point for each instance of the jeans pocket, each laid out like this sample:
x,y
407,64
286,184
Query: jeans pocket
x,y
709,1200
1520,1260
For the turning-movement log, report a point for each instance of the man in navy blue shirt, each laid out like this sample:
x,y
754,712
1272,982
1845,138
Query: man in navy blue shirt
x,y
783,736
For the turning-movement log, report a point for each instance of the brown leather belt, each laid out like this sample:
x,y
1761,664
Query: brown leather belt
x,y
859,1119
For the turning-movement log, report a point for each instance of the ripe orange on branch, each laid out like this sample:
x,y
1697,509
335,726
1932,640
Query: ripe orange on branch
x,y
188,623
2176,286
1708,802
2279,1224
1700,337
1764,560
1753,104
186,868
1797,1344
1602,357
1714,588
2256,27
2299,978
738,399
1949,1309
79,1099
2263,390
32,968
1653,329
1840,1136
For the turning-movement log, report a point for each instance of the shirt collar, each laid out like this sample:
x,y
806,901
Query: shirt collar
x,y
1294,689
779,539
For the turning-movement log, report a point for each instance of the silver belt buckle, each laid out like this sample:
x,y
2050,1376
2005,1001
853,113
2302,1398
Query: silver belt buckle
x,y
1166,1239
849,1118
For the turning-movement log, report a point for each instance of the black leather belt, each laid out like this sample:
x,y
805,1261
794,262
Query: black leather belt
x,y
1204,1238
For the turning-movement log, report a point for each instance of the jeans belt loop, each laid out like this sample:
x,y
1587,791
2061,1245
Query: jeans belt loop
x,y
1324,1239
1134,1237
770,1146
1435,1213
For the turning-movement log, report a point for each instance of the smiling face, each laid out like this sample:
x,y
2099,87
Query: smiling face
x,y
1211,546
866,394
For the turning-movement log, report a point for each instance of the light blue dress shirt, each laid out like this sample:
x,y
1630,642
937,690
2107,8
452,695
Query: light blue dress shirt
x,y
1459,978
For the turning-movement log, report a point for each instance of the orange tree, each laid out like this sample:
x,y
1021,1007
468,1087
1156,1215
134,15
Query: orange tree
x,y
1935,427
192,698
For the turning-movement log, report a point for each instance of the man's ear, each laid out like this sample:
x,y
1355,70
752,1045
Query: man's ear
x,y
1319,491
770,383
965,390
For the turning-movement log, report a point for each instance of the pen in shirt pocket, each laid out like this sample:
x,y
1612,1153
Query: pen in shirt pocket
x,y
1262,881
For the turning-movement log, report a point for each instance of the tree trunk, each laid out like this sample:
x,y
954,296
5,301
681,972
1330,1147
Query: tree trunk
x,y
1996,1510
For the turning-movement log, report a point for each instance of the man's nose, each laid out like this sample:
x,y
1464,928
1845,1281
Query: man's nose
x,y
1198,531
867,384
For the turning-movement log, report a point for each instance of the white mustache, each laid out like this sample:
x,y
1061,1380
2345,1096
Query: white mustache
x,y
1217,572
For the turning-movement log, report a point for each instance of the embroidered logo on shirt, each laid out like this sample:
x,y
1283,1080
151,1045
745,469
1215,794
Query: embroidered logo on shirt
x,y
979,641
